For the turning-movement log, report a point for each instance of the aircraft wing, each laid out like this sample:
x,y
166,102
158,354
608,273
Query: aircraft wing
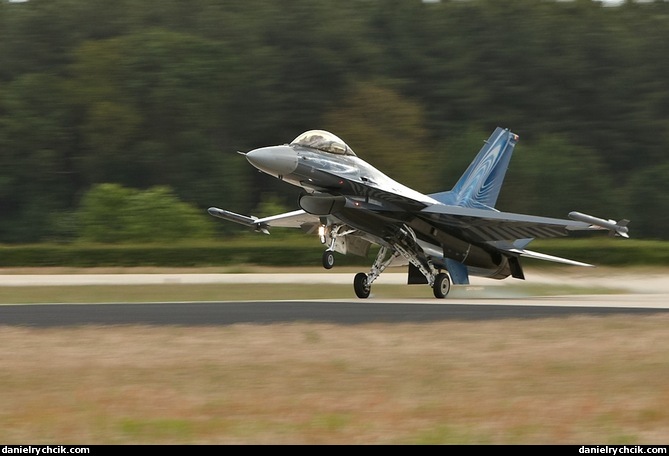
x,y
294,219
490,226
511,233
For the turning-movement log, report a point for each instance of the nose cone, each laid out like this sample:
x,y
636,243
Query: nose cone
x,y
276,160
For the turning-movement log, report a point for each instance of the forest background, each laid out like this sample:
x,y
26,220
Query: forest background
x,y
116,112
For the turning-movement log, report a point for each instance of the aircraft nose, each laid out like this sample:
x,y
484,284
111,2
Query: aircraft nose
x,y
276,160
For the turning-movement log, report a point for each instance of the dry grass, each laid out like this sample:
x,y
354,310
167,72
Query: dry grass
x,y
576,380
235,292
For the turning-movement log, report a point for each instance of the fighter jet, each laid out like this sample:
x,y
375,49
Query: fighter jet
x,y
443,237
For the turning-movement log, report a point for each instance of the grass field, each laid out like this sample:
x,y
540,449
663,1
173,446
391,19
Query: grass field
x,y
575,380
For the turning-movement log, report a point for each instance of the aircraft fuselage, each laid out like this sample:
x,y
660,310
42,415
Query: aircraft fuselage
x,y
342,185
443,236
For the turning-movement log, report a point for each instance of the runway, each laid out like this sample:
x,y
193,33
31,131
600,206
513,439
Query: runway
x,y
228,313
325,311
645,294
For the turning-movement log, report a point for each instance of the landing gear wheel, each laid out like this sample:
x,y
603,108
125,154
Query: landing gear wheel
x,y
360,285
442,285
328,259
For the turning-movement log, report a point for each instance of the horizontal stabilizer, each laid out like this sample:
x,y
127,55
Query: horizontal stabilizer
x,y
545,257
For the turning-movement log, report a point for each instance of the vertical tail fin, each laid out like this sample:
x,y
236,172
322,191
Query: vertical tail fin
x,y
481,183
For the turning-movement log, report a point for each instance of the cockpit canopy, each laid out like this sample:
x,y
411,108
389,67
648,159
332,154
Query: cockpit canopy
x,y
323,140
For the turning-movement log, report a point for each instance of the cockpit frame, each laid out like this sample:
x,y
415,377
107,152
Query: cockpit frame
x,y
323,141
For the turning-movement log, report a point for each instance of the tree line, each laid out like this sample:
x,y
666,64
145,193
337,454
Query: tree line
x,y
160,94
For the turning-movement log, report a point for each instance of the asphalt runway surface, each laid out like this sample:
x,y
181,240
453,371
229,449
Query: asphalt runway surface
x,y
645,295
337,312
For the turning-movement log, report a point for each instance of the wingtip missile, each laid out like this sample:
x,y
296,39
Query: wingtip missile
x,y
616,228
231,216
238,218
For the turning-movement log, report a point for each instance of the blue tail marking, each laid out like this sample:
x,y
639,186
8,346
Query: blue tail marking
x,y
481,183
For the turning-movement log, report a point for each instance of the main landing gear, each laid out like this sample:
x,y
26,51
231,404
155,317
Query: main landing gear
x,y
441,287
360,285
409,249
402,243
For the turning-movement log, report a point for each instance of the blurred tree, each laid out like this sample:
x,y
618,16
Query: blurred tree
x,y
270,204
456,153
386,130
37,143
154,112
296,61
36,37
101,213
110,131
111,213
162,92
552,177
571,68
648,202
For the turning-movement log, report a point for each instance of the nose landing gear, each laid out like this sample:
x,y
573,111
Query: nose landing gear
x,y
328,259
329,235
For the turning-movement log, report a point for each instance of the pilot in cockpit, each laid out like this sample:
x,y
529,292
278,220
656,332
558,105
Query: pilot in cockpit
x,y
323,140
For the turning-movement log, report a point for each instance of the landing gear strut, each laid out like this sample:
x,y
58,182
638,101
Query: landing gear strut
x,y
328,235
362,282
405,244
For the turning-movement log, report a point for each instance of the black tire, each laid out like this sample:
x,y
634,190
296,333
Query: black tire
x,y
360,285
442,285
328,259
